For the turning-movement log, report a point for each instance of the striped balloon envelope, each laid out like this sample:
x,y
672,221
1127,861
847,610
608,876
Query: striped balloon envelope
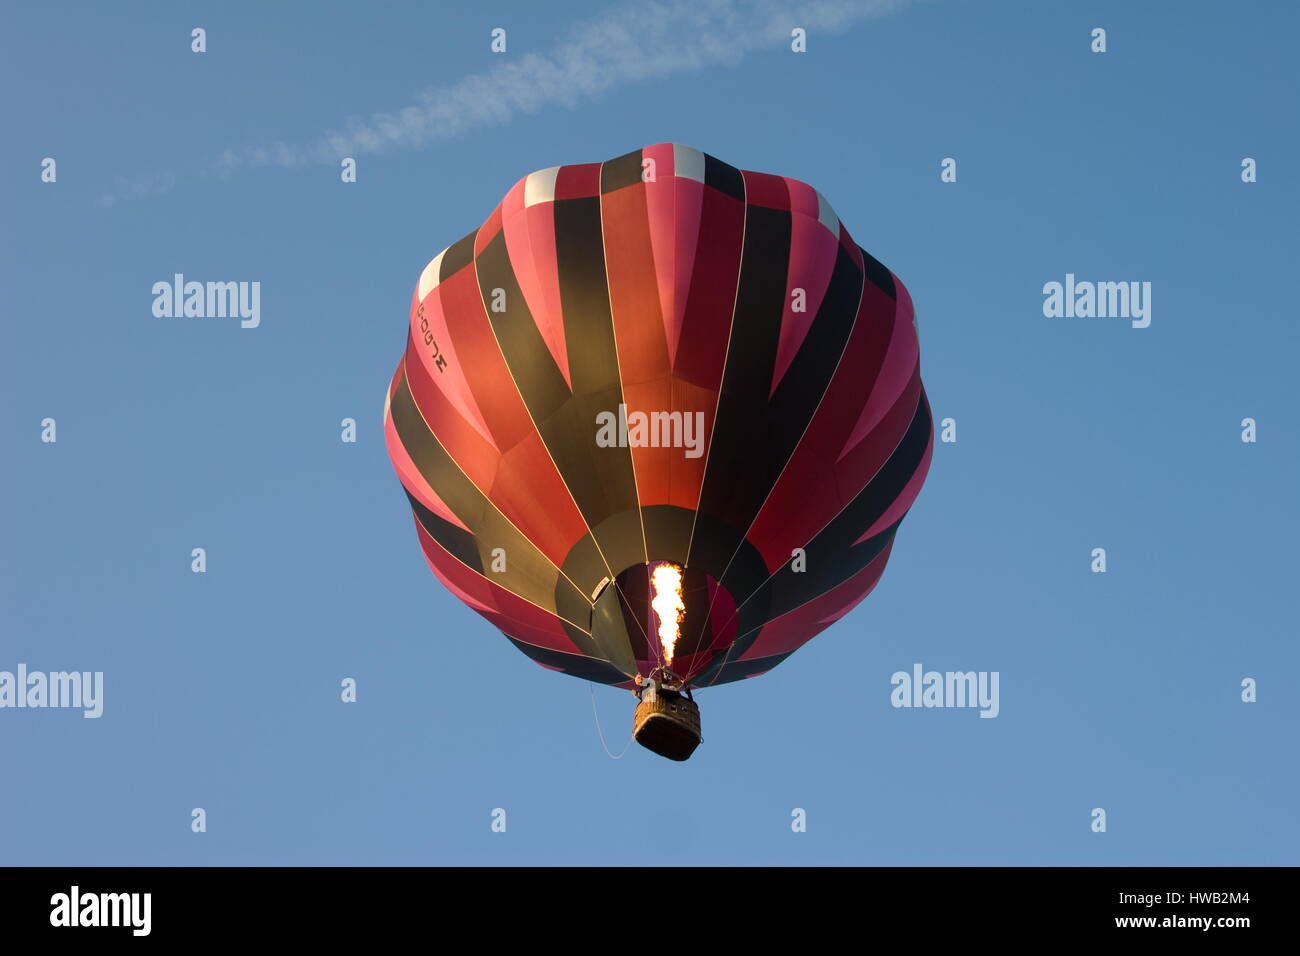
x,y
659,411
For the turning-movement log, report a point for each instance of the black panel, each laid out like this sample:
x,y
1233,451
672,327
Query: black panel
x,y
617,173
726,179
878,274
459,542
601,479
541,383
457,257
739,670
585,667
733,487
805,382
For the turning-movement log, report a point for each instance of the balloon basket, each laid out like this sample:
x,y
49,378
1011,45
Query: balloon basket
x,y
669,725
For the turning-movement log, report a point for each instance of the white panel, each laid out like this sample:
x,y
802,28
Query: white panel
x,y
429,277
688,163
826,215
540,186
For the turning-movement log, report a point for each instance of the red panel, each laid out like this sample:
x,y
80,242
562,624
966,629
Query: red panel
x,y
578,181
489,378
472,452
673,206
488,231
709,308
686,475
530,492
762,189
633,289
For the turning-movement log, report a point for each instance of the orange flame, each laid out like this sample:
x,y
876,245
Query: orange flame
x,y
668,604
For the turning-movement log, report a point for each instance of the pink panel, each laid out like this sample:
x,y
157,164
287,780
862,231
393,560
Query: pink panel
x,y
530,244
431,342
897,370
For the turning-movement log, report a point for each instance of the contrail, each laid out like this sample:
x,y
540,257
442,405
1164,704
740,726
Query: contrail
x,y
628,44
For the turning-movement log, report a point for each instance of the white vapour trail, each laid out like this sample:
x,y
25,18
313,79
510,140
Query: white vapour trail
x,y
640,41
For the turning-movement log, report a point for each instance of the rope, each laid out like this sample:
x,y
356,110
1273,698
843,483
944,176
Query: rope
x,y
601,733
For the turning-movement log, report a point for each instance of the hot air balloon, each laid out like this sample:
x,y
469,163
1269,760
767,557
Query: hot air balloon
x,y
658,420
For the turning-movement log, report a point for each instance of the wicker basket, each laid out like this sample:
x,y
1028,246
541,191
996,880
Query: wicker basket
x,y
669,725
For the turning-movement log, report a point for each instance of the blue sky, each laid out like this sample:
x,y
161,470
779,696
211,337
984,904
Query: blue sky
x,y
1118,690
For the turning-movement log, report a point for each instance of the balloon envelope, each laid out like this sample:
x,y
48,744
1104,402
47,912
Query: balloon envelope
x,y
659,358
